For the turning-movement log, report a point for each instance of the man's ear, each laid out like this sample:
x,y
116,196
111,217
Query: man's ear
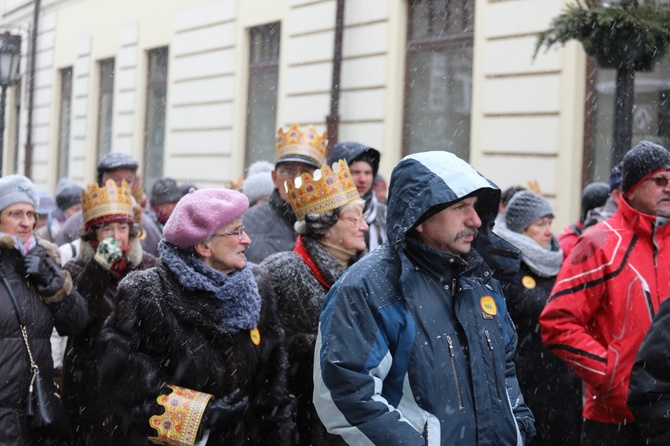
x,y
274,180
419,228
203,249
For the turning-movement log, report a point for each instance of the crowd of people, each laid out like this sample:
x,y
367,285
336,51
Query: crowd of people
x,y
314,306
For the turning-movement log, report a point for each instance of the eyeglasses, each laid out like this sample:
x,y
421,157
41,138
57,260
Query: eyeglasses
x,y
356,221
660,181
294,171
19,216
239,232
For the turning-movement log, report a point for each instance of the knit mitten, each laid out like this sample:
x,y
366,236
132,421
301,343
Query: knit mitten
x,y
109,251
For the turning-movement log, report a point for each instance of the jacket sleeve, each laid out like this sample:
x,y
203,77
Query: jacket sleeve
x,y
649,392
574,302
352,359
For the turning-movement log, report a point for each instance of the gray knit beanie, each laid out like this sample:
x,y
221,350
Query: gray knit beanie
x,y
641,161
524,208
17,189
258,183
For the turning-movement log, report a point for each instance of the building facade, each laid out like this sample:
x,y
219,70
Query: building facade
x,y
196,89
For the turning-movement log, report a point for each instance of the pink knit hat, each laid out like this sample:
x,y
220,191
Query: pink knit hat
x,y
202,212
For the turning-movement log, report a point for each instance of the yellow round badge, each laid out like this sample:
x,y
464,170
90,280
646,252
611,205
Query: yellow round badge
x,y
528,282
255,336
489,306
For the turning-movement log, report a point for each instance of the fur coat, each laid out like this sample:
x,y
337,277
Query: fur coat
x,y
300,296
90,418
166,330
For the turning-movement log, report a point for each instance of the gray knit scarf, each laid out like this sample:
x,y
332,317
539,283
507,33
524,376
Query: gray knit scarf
x,y
236,294
543,262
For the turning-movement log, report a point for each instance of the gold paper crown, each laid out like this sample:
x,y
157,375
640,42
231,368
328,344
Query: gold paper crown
x,y
327,189
179,424
108,200
296,145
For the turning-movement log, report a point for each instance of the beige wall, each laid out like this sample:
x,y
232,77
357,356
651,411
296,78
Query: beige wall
x,y
527,115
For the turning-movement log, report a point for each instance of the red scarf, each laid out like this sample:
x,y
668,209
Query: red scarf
x,y
302,252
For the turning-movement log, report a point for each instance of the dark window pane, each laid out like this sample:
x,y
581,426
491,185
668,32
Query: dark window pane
x,y
262,95
154,145
64,122
105,107
438,83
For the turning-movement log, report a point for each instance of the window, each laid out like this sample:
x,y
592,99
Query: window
x,y
17,124
651,114
262,94
154,144
438,81
105,106
62,169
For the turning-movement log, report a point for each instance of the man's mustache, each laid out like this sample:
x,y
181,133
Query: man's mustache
x,y
467,232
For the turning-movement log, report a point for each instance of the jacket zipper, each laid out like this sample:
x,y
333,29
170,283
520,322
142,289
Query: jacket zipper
x,y
493,360
456,378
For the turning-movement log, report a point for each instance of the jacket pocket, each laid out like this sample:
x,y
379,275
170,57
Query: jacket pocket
x,y
457,379
493,364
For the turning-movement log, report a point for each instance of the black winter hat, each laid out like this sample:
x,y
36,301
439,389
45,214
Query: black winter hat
x,y
616,176
68,194
165,190
594,195
113,161
355,151
641,161
524,208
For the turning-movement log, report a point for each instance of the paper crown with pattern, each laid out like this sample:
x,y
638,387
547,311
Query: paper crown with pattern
x,y
98,203
179,424
300,146
327,189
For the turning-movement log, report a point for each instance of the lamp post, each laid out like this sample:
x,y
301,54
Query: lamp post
x,y
10,56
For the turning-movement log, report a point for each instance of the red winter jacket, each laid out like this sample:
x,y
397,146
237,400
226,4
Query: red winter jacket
x,y
602,304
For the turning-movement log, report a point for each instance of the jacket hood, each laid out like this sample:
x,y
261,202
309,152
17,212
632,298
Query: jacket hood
x,y
350,151
426,180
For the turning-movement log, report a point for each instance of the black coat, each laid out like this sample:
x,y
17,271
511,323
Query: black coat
x,y
90,418
551,389
161,333
59,305
269,225
300,298
649,391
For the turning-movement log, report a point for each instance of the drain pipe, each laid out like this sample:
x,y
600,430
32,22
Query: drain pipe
x,y
333,119
28,161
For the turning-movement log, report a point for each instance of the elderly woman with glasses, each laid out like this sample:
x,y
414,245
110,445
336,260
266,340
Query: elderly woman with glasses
x,y
109,250
193,351
34,292
331,230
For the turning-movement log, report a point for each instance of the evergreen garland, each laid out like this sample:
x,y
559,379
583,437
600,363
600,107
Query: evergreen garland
x,y
616,35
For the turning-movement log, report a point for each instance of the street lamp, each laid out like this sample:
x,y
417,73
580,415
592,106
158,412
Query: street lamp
x,y
10,56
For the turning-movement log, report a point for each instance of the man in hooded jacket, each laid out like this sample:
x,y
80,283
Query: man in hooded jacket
x,y
415,344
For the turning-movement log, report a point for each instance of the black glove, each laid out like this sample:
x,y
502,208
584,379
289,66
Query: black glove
x,y
38,270
223,411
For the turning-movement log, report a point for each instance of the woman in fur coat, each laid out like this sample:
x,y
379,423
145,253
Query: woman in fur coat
x,y
198,331
550,388
331,237
109,250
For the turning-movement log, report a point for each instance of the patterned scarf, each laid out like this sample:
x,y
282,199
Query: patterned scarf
x,y
236,294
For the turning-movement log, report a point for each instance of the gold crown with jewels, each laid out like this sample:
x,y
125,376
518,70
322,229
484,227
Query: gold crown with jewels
x,y
301,146
108,200
179,424
327,189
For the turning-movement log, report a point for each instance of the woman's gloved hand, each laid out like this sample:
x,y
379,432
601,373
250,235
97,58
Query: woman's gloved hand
x,y
223,411
109,251
38,270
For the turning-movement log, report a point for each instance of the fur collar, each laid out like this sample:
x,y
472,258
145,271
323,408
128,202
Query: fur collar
x,y
10,242
236,294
